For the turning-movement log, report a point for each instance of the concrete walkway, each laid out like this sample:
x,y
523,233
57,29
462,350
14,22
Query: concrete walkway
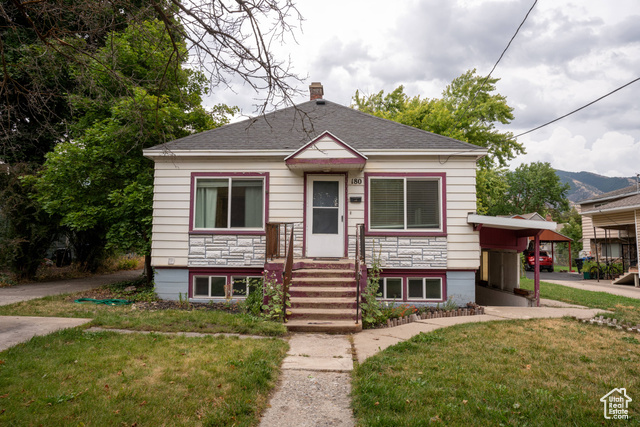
x,y
371,341
17,329
30,291
575,280
314,385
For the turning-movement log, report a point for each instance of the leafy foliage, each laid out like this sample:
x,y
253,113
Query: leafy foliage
x,y
371,307
101,182
533,187
467,111
274,308
26,230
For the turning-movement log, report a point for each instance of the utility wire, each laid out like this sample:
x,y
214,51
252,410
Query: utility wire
x,y
499,59
578,109
489,75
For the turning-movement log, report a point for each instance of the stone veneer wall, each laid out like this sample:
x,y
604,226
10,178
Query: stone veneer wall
x,y
405,252
228,250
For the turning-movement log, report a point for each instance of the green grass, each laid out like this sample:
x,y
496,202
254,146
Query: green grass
x,y
77,378
529,372
624,308
124,317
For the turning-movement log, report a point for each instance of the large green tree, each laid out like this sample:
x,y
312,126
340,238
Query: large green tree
x,y
469,111
100,182
532,187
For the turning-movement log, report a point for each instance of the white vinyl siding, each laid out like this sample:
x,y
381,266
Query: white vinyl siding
x,y
285,195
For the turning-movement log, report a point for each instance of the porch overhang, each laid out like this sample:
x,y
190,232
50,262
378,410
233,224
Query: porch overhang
x,y
522,227
326,153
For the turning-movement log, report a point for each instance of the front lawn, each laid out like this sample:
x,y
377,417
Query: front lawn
x,y
529,372
128,317
624,309
78,378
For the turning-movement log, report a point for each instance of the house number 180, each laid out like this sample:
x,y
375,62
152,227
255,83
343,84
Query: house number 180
x,y
356,181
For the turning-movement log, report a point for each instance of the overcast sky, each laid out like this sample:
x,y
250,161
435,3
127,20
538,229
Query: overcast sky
x,y
566,55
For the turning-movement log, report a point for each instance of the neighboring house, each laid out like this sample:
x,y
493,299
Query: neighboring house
x,y
610,224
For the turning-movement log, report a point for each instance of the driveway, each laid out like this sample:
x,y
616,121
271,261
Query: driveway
x,y
17,329
38,290
575,280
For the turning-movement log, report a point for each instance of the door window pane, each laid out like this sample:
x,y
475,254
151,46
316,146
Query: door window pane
x,y
325,194
386,198
325,221
394,288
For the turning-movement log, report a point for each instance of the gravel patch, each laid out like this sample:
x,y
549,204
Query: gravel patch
x,y
310,399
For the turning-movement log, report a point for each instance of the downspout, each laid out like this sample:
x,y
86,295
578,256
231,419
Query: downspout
x,y
536,268
636,282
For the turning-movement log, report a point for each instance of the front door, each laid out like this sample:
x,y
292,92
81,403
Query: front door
x,y
325,216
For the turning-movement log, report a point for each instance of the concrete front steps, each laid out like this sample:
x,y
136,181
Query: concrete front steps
x,y
323,297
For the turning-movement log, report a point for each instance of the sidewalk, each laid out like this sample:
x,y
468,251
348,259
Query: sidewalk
x,y
573,281
370,341
17,329
30,291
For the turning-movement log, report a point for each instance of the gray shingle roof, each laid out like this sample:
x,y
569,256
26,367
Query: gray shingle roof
x,y
631,202
292,127
622,192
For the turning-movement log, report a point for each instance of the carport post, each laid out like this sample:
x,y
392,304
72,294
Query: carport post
x,y
536,269
570,260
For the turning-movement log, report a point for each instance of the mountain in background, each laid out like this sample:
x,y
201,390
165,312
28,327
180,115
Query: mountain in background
x,y
585,185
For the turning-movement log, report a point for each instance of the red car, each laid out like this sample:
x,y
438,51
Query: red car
x,y
546,262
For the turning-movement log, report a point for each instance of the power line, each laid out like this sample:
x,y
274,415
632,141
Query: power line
x,y
499,59
578,109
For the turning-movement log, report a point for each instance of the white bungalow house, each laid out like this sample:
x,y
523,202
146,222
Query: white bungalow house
x,y
224,200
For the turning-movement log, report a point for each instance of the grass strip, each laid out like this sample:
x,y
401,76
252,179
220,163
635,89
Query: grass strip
x,y
104,378
624,308
126,317
539,372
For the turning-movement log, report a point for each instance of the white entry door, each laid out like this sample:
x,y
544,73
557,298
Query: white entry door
x,y
325,216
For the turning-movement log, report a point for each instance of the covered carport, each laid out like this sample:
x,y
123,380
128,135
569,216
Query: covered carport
x,y
501,242
553,237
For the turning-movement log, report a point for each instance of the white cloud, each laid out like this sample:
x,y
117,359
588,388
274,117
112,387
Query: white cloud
x,y
613,154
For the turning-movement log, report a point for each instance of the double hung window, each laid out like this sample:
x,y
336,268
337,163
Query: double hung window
x,y
229,203
405,204
425,288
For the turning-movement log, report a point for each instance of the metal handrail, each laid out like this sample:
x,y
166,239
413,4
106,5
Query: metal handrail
x,y
288,271
358,265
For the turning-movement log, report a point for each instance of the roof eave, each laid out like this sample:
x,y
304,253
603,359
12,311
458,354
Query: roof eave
x,y
510,223
611,210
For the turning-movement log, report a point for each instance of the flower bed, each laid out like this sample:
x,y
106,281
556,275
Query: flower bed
x,y
429,313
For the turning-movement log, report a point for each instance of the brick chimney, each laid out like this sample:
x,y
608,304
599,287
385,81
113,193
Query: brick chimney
x,y
316,91
548,218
